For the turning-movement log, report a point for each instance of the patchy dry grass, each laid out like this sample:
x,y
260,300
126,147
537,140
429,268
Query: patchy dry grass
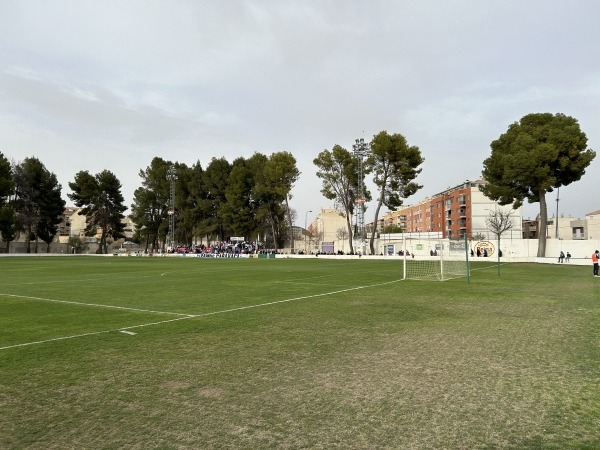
x,y
505,362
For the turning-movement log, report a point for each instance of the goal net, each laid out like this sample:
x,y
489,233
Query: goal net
x,y
434,259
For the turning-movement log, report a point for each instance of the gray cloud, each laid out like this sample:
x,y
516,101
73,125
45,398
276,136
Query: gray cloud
x,y
112,84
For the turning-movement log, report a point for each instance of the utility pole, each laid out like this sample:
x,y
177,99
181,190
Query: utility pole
x,y
557,192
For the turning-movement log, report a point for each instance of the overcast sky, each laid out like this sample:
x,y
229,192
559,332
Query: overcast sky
x,y
94,85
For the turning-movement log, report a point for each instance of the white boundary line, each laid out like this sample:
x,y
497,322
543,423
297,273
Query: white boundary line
x,y
183,316
95,305
241,308
93,333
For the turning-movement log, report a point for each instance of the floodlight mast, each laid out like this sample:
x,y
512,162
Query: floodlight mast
x,y
361,149
171,177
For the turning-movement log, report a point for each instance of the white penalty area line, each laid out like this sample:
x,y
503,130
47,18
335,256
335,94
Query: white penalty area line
x,y
95,305
93,333
127,330
493,266
305,297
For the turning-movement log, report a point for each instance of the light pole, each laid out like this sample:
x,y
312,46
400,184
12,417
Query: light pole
x,y
305,230
361,149
171,177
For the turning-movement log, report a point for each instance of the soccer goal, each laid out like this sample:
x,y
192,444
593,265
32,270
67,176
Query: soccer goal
x,y
435,259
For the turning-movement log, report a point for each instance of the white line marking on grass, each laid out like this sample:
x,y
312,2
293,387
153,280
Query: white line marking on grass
x,y
95,305
300,280
131,333
93,333
493,266
62,338
80,280
324,294
188,316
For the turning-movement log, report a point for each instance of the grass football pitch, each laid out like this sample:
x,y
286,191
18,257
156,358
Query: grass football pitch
x,y
191,353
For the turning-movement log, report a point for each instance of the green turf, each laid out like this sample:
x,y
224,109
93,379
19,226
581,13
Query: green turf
x,y
294,354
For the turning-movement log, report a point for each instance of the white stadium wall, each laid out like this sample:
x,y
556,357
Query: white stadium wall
x,y
513,250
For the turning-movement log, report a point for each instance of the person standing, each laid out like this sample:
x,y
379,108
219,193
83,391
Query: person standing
x,y
595,257
561,257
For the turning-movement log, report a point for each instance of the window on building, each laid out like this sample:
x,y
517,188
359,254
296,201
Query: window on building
x,y
578,233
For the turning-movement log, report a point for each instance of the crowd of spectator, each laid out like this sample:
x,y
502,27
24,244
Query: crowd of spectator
x,y
218,248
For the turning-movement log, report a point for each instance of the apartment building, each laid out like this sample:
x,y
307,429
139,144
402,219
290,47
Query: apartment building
x,y
575,229
454,213
73,224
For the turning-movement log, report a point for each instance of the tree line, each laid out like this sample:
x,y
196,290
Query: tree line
x,y
247,197
250,196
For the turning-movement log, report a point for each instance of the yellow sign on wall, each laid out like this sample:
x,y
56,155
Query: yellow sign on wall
x,y
484,248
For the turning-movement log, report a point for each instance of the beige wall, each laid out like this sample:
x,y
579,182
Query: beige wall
x,y
593,226
329,226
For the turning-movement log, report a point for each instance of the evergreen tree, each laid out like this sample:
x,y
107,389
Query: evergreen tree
x,y
8,218
51,210
239,211
8,225
196,211
395,165
281,173
150,207
37,203
338,170
536,155
214,184
101,201
184,221
7,183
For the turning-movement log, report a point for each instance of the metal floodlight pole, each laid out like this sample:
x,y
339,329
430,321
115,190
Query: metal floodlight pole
x,y
171,177
361,149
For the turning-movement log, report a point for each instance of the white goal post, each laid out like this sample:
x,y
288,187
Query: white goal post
x,y
434,259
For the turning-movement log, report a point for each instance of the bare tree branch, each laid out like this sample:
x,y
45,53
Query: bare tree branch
x,y
499,221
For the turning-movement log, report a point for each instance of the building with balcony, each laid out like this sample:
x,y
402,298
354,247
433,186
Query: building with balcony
x,y
454,213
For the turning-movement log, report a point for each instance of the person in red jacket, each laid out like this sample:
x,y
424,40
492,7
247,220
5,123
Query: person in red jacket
x,y
595,257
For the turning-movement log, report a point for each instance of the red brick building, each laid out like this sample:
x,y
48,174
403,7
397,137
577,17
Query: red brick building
x,y
453,213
